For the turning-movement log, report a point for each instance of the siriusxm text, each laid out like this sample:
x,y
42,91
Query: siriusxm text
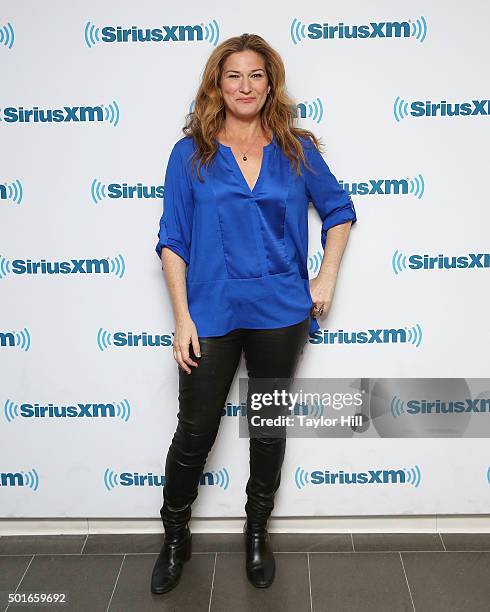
x,y
369,477
71,266
447,407
382,29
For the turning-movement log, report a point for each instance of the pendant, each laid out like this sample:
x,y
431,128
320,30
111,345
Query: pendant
x,y
244,158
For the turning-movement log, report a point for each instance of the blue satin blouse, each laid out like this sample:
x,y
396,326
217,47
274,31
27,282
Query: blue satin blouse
x,y
247,250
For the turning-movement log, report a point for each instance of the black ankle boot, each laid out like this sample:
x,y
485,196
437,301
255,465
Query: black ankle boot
x,y
177,549
260,562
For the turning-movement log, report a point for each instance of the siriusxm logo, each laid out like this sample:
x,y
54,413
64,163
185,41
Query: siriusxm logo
x,y
108,265
402,335
438,262
410,476
427,108
117,410
108,113
7,35
12,191
410,186
20,339
423,406
219,478
163,34
116,191
106,339
20,479
383,29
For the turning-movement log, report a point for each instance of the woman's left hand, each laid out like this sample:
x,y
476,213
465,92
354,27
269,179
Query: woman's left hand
x,y
322,295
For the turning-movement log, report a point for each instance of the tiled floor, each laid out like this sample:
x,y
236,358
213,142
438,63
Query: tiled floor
x,y
322,572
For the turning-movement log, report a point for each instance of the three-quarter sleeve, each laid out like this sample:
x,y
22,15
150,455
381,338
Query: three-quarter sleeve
x,y
178,207
333,203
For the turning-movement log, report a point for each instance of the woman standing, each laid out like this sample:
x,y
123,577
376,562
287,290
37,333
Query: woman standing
x,y
233,242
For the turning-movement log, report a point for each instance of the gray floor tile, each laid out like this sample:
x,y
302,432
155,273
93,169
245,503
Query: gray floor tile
x,y
124,543
218,542
40,545
351,582
87,579
191,594
11,571
311,542
396,541
232,592
466,541
449,581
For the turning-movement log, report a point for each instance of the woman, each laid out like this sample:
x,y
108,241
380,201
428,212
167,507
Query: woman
x,y
233,244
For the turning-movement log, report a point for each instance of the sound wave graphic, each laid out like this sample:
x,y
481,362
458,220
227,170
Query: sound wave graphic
x,y
211,32
315,261
124,410
23,339
31,479
111,113
297,31
417,186
315,110
413,475
10,410
14,191
7,36
104,339
301,477
91,34
398,262
118,267
111,479
400,109
419,29
397,407
221,478
4,266
414,335
98,191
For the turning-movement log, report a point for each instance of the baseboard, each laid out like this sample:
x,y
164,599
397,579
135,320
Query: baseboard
x,y
333,524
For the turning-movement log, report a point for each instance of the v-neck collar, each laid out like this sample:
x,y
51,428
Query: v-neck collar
x,y
238,170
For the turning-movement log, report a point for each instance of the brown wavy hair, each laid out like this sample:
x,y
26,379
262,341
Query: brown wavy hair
x,y
277,113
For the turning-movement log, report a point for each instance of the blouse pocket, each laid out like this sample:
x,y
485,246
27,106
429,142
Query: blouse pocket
x,y
272,217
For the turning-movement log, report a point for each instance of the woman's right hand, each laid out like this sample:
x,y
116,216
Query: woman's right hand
x,y
186,336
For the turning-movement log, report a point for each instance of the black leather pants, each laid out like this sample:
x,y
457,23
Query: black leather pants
x,y
268,353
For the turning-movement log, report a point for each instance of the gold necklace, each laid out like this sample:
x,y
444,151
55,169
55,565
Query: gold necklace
x,y
244,155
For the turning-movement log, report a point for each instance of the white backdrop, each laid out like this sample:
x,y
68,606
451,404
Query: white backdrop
x,y
59,332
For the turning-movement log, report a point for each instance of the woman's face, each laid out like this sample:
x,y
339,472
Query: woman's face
x,y
244,83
